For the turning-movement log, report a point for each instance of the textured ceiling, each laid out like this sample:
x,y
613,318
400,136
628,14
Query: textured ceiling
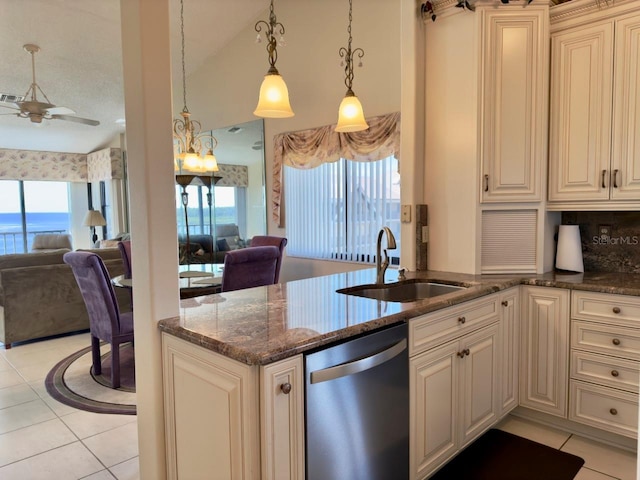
x,y
80,62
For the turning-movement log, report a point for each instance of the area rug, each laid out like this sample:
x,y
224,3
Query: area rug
x,y
73,383
499,455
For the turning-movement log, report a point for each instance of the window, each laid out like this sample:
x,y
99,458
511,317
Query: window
x,y
229,207
30,207
336,210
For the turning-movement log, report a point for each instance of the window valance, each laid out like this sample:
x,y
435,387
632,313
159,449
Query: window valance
x,y
36,165
233,175
311,148
105,164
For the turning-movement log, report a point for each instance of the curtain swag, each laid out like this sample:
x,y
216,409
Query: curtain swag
x,y
311,148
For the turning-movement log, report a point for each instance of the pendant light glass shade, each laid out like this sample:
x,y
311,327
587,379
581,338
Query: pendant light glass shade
x,y
351,115
273,101
210,162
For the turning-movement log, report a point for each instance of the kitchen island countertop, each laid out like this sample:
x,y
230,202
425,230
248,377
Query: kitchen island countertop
x,y
261,325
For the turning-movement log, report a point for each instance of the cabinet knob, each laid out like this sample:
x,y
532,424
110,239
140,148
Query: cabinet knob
x,y
614,373
616,309
463,353
616,341
462,319
613,411
505,303
286,388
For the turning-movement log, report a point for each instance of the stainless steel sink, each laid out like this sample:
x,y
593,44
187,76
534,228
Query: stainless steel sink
x,y
406,291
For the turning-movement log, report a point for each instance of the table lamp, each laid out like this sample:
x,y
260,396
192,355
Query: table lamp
x,y
94,219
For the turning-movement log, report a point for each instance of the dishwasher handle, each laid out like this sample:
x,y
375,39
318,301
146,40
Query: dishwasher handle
x,y
360,365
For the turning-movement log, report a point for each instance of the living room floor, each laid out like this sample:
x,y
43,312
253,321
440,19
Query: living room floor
x,y
40,438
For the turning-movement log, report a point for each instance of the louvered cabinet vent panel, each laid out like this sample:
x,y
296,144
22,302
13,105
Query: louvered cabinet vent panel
x,y
509,241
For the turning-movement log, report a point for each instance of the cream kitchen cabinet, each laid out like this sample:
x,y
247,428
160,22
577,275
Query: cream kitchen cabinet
x,y
509,348
453,398
222,416
544,352
605,349
514,64
594,139
454,380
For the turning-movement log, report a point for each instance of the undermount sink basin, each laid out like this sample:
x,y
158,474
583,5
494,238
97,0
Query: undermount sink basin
x,y
406,291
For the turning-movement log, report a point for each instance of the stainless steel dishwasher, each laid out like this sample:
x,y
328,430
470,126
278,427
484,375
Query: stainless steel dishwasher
x,y
357,408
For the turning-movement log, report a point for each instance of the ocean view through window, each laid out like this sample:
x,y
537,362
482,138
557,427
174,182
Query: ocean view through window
x,y
28,208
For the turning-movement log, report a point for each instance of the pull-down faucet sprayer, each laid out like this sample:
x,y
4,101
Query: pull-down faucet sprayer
x,y
381,267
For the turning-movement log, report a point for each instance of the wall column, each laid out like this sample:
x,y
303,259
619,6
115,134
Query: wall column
x,y
148,107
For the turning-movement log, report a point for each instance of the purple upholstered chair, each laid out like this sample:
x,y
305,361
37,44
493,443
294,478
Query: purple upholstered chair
x,y
105,320
125,253
264,240
249,267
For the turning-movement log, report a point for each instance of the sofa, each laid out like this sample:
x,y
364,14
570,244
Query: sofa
x,y
39,296
202,248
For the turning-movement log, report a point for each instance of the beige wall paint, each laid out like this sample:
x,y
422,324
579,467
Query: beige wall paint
x,y
225,90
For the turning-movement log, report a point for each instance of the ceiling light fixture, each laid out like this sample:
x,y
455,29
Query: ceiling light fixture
x,y
273,101
350,114
190,142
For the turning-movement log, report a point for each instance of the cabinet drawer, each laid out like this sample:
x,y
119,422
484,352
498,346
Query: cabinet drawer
x,y
593,337
605,370
605,408
438,327
606,308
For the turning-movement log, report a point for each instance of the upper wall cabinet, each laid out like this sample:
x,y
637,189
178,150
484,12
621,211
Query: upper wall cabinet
x,y
514,103
594,139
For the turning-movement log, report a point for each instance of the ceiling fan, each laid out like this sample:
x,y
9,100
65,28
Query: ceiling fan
x,y
35,110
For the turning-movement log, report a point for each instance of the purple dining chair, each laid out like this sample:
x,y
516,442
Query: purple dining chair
x,y
125,252
105,320
249,267
264,240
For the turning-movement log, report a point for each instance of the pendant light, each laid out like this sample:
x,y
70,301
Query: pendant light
x,y
350,114
273,101
190,142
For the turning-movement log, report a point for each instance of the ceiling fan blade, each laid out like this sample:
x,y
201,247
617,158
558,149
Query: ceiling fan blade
x,y
60,111
71,118
12,106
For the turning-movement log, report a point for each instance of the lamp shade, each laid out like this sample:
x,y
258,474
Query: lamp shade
x,y
94,219
351,115
569,253
273,101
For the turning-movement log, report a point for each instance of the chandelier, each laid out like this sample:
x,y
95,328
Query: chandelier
x,y
189,141
350,114
273,101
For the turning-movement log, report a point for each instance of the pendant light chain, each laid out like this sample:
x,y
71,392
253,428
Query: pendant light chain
x,y
184,76
347,54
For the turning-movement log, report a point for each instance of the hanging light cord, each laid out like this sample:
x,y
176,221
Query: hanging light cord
x,y
347,54
270,29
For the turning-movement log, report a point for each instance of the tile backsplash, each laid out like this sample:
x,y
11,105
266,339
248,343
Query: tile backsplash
x,y
610,240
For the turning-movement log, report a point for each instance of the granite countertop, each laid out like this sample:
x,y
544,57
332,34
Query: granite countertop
x,y
261,325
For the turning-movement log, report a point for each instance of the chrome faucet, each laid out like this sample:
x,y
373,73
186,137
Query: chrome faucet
x,y
381,267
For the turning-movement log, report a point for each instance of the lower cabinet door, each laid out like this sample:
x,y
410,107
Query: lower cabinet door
x,y
434,401
478,387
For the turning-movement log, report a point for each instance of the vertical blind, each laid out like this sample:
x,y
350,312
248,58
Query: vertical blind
x,y
336,210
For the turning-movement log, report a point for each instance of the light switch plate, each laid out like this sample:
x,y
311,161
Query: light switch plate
x,y
425,234
405,215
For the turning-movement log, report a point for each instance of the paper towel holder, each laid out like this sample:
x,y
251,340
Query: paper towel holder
x,y
569,251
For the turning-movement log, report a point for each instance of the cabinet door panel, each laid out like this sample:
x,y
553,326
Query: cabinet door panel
x,y
626,117
515,88
479,369
509,348
434,401
580,119
545,350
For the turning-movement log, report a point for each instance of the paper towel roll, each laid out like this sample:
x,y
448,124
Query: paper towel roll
x,y
569,253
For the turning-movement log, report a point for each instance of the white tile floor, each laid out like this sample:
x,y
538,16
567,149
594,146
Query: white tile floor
x,y
41,438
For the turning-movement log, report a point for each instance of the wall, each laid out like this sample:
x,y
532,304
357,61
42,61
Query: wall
x,y
225,90
617,252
